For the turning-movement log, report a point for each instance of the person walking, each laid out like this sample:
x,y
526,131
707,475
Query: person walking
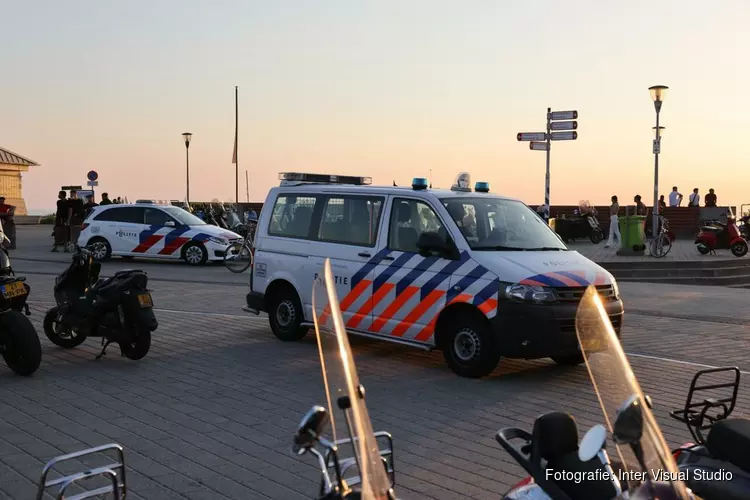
x,y
695,198
710,200
614,223
675,197
76,214
60,232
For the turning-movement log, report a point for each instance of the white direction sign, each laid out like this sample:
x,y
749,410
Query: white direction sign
x,y
538,146
564,136
563,125
93,183
532,136
562,115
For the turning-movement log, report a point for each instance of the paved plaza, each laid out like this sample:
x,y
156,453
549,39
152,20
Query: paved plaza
x,y
210,412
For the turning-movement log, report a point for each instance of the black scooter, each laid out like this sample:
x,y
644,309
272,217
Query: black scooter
x,y
117,309
19,342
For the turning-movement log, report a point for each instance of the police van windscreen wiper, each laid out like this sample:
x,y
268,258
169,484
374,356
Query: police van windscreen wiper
x,y
499,248
546,249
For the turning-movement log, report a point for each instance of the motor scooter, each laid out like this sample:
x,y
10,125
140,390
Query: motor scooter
x,y
720,236
723,450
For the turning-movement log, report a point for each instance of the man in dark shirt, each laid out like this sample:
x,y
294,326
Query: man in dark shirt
x,y
105,199
90,204
61,216
76,214
710,199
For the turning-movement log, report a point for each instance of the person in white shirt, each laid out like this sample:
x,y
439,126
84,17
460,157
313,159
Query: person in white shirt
x,y
614,223
675,197
695,198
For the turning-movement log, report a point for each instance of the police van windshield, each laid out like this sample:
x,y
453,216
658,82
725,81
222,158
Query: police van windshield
x,y
183,216
496,224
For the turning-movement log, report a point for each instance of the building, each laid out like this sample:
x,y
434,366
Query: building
x,y
11,168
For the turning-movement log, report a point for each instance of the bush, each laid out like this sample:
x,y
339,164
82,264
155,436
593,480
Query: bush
x,y
47,219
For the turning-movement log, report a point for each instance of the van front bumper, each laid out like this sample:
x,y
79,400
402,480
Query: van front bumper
x,y
256,303
534,331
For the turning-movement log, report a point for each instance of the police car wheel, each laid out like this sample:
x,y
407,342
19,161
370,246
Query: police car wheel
x,y
101,252
470,348
569,360
195,254
285,316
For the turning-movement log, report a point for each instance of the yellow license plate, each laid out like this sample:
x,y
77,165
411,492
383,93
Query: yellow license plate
x,y
145,300
12,290
590,345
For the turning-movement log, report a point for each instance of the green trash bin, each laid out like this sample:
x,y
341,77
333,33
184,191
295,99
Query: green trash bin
x,y
633,232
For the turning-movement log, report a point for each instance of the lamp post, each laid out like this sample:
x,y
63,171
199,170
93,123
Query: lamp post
x,y
187,136
657,95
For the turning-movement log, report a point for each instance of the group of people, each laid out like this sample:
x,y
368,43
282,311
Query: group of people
x,y
694,200
71,211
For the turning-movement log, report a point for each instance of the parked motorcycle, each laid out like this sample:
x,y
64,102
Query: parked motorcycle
x,y
372,453
19,342
723,450
583,224
720,236
562,469
117,309
744,226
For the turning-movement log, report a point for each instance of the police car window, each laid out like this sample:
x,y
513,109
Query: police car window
x,y
156,217
133,215
351,220
490,223
409,219
291,216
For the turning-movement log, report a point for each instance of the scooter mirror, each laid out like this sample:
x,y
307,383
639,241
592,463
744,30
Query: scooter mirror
x,y
592,443
628,427
309,429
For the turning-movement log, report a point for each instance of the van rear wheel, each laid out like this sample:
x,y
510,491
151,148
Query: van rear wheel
x,y
285,316
569,360
470,346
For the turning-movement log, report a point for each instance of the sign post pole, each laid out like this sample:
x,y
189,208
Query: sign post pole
x,y
546,176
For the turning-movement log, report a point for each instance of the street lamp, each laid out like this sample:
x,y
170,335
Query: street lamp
x,y
657,95
187,136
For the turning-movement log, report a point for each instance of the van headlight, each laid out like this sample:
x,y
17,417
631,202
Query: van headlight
x,y
529,293
615,289
220,241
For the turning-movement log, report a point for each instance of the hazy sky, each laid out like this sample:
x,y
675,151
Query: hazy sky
x,y
385,88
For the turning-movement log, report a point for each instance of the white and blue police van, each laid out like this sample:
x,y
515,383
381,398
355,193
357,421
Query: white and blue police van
x,y
477,275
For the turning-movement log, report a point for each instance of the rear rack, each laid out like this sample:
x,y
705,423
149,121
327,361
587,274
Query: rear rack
x,y
114,473
695,414
385,446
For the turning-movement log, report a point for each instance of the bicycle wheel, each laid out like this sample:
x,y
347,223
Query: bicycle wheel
x,y
238,257
660,246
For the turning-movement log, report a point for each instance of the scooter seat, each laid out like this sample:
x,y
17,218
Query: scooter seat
x,y
729,440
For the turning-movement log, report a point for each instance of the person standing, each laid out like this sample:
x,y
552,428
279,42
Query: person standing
x,y
61,217
675,197
6,217
711,198
662,203
105,199
76,214
90,204
695,198
614,223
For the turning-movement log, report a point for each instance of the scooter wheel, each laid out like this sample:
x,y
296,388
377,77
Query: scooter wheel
x,y
703,249
596,236
739,249
22,349
138,347
58,334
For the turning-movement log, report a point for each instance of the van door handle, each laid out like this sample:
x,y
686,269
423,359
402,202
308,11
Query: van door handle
x,y
364,254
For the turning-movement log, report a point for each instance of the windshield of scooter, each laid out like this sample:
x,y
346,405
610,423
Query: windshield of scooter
x,y
345,395
616,386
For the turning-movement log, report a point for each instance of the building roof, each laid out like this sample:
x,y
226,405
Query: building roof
x,y
11,158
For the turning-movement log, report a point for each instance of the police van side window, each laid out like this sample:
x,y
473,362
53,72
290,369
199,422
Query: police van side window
x,y
409,219
292,215
351,220
133,215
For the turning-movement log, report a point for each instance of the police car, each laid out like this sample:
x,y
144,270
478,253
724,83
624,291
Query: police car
x,y
155,232
476,275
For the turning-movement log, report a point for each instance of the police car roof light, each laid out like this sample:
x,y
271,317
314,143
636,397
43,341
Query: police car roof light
x,y
325,178
419,183
463,182
482,187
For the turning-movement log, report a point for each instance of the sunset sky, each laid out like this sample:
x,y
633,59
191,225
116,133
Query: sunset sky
x,y
383,88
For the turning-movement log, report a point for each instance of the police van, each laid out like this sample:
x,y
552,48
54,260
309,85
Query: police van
x,y
476,275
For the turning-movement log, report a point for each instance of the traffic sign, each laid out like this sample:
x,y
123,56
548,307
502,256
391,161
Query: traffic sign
x,y
538,146
564,136
92,175
657,147
562,115
532,136
93,183
564,125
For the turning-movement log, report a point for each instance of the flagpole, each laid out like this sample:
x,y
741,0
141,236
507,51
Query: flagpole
x,y
236,130
247,188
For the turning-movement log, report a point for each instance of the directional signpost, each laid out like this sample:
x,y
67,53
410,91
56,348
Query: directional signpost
x,y
92,176
560,127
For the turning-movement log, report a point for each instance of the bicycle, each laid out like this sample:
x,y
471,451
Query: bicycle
x,y
662,243
239,255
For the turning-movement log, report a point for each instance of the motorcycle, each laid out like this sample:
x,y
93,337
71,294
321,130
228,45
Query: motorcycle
x,y
744,226
720,236
373,471
19,342
584,224
560,468
723,450
117,309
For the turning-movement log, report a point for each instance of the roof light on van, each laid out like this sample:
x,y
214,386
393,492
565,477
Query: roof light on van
x,y
419,183
482,187
463,182
297,177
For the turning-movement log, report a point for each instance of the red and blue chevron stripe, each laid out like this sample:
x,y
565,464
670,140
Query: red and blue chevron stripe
x,y
561,279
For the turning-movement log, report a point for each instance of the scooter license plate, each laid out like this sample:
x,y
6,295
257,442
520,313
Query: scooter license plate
x,y
12,290
145,300
591,345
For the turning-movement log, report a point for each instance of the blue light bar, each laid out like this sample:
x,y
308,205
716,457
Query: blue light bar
x,y
419,183
324,178
482,187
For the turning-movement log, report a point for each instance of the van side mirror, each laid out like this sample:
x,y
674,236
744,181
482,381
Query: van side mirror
x,y
431,242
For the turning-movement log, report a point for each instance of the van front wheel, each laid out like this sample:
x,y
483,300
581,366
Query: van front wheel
x,y
470,347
